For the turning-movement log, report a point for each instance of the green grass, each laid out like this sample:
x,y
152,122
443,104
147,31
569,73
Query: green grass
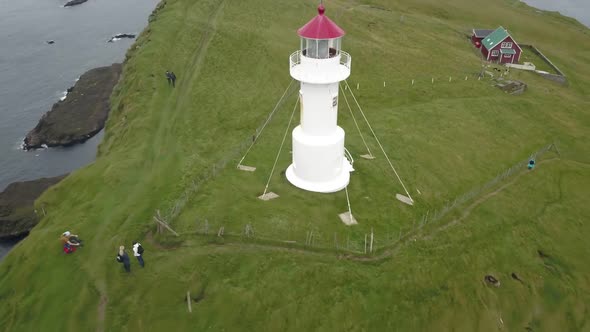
x,y
540,64
444,138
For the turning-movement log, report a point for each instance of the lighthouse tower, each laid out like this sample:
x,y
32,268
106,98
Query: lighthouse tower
x,y
319,161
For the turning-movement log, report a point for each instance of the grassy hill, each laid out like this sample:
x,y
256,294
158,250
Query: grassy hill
x,y
167,147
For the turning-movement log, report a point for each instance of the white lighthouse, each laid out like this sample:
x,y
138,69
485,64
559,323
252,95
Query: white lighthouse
x,y
319,162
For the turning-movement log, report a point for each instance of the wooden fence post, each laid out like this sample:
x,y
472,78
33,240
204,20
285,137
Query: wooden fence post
x,y
161,223
371,248
188,301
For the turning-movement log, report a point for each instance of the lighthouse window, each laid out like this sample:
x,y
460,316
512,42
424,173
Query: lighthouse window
x,y
334,47
320,48
312,48
334,101
323,49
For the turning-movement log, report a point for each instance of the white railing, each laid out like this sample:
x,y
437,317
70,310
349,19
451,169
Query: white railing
x,y
295,59
348,156
345,59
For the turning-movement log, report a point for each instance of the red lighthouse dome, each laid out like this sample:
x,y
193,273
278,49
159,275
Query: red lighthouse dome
x,y
320,27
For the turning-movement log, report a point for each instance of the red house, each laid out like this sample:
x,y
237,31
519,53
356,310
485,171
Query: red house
x,y
496,45
478,35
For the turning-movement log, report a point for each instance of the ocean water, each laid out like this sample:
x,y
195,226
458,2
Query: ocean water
x,y
5,246
34,74
578,9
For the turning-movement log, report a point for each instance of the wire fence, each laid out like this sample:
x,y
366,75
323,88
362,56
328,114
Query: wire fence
x,y
486,72
434,217
312,239
349,241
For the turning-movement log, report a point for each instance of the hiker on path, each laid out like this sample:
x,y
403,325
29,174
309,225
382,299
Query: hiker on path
x,y
70,242
173,77
169,77
67,238
122,257
138,252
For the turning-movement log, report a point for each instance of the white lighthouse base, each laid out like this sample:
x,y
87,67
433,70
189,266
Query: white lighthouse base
x,y
337,184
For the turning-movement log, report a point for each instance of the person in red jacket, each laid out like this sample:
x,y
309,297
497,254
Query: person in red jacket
x,y
70,242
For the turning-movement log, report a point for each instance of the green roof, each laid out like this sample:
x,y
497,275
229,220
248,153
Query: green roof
x,y
507,51
494,38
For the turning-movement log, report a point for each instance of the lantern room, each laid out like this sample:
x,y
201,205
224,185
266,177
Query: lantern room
x,y
320,59
320,48
320,37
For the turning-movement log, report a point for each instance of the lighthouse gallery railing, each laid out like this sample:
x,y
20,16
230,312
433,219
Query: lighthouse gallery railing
x,y
295,59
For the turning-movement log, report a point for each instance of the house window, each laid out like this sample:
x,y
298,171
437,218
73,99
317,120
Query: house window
x,y
506,45
507,55
495,53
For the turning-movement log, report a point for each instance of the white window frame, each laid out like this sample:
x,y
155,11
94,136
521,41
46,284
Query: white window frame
x,y
507,55
495,52
506,45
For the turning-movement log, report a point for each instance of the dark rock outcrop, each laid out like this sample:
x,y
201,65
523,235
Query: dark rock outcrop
x,y
81,115
492,280
74,3
17,214
120,36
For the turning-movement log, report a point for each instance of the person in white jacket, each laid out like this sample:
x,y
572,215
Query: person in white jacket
x,y
138,253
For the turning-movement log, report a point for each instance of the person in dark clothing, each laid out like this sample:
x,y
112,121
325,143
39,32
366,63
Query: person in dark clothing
x,y
173,77
168,77
122,257
138,253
